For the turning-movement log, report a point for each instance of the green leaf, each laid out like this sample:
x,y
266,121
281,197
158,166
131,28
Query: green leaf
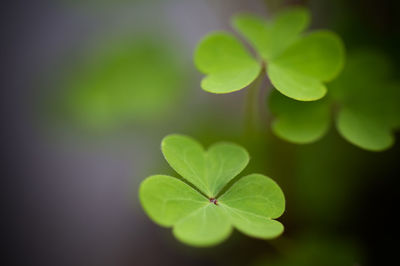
x,y
319,55
300,70
296,65
299,122
272,37
362,77
255,225
208,170
126,80
369,101
365,131
295,85
256,194
364,98
250,204
228,65
204,227
166,199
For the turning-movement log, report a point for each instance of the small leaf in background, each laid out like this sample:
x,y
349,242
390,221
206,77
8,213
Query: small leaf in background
x,y
128,80
270,38
297,64
228,65
364,98
364,130
299,122
369,99
199,215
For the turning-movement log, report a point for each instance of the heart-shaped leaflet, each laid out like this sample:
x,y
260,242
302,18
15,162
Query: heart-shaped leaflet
x,y
199,209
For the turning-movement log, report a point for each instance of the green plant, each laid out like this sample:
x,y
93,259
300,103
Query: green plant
x,y
128,80
208,202
297,64
364,100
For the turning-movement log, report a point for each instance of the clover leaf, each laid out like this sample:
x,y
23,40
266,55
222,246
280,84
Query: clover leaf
x,y
201,208
364,100
299,122
297,64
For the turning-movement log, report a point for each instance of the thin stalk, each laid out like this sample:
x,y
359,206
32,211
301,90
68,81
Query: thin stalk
x,y
252,106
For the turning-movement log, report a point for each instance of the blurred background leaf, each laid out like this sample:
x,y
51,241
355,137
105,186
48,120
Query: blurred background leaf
x,y
363,101
138,79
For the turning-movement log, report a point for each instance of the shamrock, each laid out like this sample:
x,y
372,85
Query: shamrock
x,y
364,100
201,208
297,64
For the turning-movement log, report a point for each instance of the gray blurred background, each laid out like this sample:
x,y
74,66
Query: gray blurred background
x,y
72,191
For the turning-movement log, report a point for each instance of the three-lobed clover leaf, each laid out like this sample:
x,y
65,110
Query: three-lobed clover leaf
x,y
297,64
364,99
200,210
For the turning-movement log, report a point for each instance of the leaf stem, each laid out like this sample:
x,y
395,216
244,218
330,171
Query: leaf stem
x,y
252,105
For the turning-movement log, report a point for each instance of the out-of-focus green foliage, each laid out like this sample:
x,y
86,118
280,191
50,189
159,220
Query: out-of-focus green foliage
x,y
316,251
129,80
301,122
194,206
325,181
273,37
297,64
364,99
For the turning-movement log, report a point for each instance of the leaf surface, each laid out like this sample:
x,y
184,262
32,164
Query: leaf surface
x,y
252,202
319,55
365,131
272,37
295,85
299,122
300,70
167,199
256,194
204,227
208,170
228,65
255,225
